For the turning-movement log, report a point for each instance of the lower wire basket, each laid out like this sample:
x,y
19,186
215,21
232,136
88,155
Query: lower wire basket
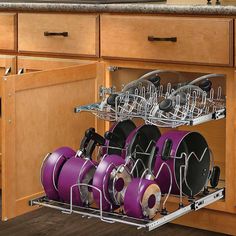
x,y
119,217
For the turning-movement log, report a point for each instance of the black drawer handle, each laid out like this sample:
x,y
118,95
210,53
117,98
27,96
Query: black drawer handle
x,y
171,39
64,34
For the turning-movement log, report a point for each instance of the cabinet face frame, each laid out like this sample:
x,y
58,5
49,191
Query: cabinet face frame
x,y
228,205
12,87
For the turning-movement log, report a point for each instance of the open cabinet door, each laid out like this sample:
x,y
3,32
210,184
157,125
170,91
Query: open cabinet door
x,y
38,116
7,67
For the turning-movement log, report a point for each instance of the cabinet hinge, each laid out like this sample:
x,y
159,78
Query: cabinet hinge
x,y
112,68
103,91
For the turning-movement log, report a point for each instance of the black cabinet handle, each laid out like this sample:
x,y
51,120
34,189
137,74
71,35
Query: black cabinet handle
x,y
64,34
157,39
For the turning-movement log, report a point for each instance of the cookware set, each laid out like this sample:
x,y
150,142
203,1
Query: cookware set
x,y
138,169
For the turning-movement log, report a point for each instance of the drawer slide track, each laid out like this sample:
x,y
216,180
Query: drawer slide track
x,y
119,217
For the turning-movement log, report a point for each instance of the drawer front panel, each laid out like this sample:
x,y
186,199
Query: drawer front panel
x,y
8,31
174,39
59,34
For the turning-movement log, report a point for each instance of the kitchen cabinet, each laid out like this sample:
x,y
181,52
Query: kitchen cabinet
x,y
38,105
49,85
219,134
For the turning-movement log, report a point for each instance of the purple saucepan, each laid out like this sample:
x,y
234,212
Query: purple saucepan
x,y
173,144
76,171
142,198
102,178
141,140
51,168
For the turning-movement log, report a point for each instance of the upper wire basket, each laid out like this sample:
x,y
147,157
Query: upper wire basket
x,y
169,105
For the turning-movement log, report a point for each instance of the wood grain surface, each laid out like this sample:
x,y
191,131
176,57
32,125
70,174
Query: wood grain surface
x,y
51,222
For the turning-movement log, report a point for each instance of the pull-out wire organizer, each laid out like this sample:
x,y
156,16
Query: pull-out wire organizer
x,y
116,217
169,105
163,105
183,204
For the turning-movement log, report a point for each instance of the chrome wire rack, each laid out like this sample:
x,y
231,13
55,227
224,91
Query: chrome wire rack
x,y
119,217
183,203
167,105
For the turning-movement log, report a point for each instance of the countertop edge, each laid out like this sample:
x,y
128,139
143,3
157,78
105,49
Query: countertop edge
x,y
148,8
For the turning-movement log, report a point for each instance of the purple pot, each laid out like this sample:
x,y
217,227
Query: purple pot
x,y
76,170
118,183
120,132
142,198
51,168
173,144
141,139
101,180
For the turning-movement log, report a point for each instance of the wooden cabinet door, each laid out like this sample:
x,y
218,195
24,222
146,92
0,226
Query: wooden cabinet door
x,y
38,116
7,66
27,64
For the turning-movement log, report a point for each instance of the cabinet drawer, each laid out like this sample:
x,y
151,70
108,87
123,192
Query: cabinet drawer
x,y
59,34
8,31
194,40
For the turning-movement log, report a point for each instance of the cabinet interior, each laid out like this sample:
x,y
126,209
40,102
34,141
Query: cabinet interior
x,y
213,131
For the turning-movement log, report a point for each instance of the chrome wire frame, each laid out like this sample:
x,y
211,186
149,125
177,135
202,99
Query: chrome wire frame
x,y
114,217
144,103
198,202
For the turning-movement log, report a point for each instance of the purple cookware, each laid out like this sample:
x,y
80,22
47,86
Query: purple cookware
x,y
113,183
139,143
102,179
51,169
76,171
118,182
171,147
142,198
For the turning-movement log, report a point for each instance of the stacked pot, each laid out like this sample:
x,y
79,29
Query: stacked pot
x,y
131,173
